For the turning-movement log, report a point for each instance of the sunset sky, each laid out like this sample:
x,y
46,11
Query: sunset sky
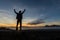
x,y
47,10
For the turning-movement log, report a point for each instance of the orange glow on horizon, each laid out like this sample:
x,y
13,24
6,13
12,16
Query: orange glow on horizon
x,y
26,25
13,25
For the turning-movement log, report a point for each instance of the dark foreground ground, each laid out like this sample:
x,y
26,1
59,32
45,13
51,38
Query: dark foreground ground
x,y
37,34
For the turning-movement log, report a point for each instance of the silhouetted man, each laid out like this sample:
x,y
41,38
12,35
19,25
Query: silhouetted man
x,y
19,18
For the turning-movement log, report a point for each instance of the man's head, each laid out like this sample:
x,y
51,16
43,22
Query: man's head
x,y
19,11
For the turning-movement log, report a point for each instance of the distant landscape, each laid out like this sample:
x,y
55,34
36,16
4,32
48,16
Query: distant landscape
x,y
25,28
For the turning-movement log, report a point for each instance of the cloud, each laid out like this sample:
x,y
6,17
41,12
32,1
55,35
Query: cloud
x,y
37,21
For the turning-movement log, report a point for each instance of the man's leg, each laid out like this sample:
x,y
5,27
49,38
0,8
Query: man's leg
x,y
17,25
20,25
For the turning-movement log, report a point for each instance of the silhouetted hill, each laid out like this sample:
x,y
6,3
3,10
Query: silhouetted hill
x,y
52,25
4,28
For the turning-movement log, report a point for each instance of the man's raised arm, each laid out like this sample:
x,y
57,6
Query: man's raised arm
x,y
15,11
24,11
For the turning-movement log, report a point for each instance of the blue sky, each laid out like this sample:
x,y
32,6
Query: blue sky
x,y
35,9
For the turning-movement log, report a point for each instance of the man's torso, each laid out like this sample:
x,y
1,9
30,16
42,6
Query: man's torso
x,y
19,16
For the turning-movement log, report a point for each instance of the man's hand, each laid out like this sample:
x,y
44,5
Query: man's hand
x,y
24,9
15,11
